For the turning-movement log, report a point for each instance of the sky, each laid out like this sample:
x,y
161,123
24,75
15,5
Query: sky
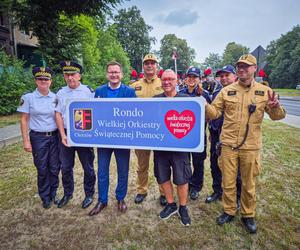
x,y
208,26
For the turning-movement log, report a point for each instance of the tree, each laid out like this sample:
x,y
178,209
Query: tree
x,y
214,60
133,33
283,57
47,19
232,53
186,55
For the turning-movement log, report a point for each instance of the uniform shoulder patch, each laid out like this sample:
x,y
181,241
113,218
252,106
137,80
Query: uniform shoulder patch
x,y
138,88
259,92
21,102
231,92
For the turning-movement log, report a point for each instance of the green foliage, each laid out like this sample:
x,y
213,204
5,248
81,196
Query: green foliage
x,y
283,57
51,21
232,53
14,82
213,60
186,55
133,33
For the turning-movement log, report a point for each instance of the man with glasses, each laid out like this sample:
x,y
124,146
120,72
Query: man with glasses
x,y
243,104
113,89
178,162
76,90
148,86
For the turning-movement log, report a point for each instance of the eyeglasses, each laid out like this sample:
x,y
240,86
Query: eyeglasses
x,y
113,72
168,79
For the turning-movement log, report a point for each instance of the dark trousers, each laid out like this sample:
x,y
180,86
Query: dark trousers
x,y
196,182
215,170
45,154
122,158
86,157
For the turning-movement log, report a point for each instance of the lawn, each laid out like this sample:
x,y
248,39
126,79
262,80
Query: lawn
x,y
24,224
288,92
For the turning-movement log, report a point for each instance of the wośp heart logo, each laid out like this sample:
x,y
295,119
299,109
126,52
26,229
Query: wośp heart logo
x,y
180,124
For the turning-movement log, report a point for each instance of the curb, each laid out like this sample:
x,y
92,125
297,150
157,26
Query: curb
x,y
8,141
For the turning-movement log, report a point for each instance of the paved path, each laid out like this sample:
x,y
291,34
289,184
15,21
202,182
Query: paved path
x,y
9,135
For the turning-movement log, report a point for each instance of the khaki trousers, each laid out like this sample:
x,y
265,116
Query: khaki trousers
x,y
143,157
249,162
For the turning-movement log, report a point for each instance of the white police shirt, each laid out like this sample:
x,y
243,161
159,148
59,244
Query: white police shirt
x,y
81,92
40,109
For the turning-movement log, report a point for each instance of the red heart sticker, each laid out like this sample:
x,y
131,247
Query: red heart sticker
x,y
180,124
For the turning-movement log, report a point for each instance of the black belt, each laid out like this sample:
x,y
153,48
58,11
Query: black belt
x,y
51,133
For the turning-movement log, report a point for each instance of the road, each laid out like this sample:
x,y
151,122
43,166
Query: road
x,y
291,105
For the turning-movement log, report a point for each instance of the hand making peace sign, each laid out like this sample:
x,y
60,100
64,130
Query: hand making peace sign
x,y
272,100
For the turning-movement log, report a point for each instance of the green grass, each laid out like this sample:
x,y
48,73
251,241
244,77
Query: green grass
x,y
7,120
25,224
288,92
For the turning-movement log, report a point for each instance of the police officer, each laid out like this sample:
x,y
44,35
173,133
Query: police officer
x,y
75,90
148,86
227,76
37,115
193,89
243,103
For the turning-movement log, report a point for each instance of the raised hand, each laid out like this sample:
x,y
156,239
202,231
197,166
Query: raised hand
x,y
272,100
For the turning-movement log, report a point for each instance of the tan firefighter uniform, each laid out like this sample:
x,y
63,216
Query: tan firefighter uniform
x,y
234,101
145,88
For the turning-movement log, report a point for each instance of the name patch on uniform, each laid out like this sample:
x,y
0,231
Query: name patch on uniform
x,y
232,92
138,88
259,92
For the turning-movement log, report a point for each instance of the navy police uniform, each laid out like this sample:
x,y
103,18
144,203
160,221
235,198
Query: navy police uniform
x,y
43,136
196,181
67,154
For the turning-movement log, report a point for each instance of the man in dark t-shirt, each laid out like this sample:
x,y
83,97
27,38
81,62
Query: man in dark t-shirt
x,y
178,163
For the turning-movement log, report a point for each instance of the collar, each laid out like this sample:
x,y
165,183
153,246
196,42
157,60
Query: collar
x,y
78,88
38,93
109,86
246,88
151,80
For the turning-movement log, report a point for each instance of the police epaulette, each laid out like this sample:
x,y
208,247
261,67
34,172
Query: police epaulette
x,y
90,88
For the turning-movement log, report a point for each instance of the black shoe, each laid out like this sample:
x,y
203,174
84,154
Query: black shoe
x,y
46,204
213,197
88,200
64,201
139,198
184,216
55,200
168,211
238,204
224,218
250,225
194,195
163,201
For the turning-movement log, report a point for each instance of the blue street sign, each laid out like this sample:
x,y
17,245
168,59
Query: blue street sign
x,y
169,124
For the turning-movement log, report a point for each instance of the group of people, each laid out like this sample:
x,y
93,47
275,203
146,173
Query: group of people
x,y
235,107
